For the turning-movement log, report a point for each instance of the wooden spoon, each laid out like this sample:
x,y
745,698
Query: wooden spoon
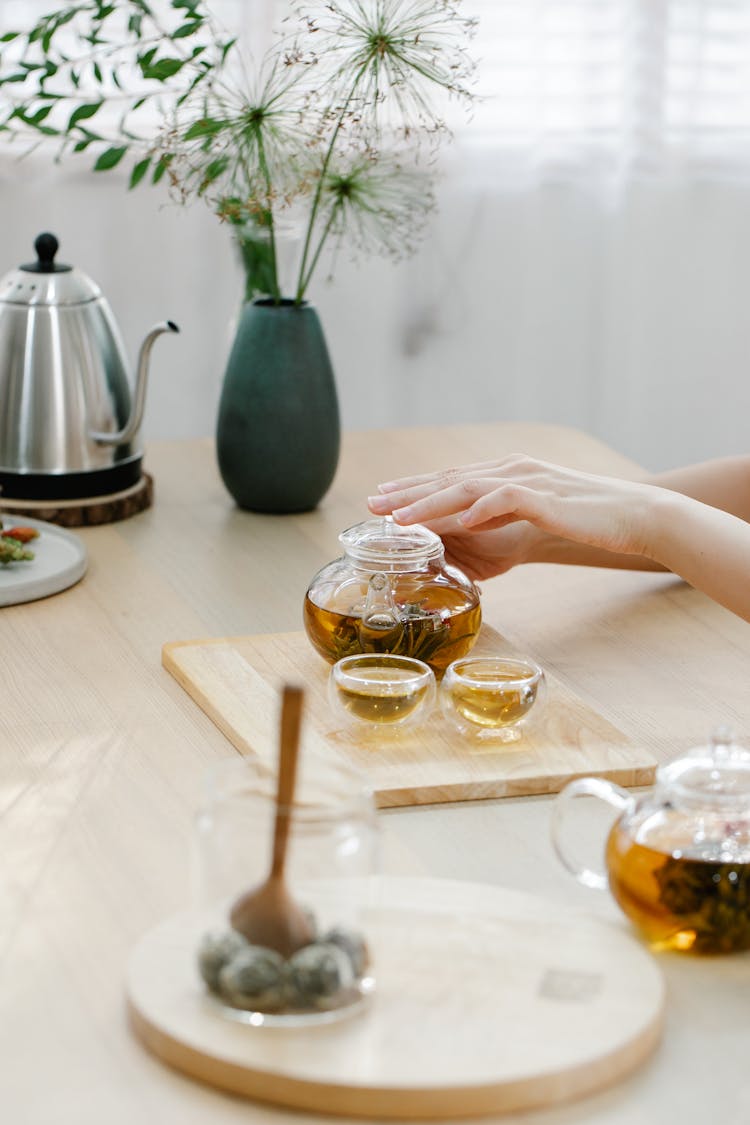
x,y
268,915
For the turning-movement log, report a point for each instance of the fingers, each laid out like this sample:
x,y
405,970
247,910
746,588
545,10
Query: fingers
x,y
432,500
507,504
441,502
474,502
446,477
459,487
387,504
448,525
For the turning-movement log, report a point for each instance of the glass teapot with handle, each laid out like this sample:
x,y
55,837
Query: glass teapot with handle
x,y
392,591
678,858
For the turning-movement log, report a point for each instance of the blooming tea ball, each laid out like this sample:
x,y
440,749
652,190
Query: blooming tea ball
x,y
215,951
254,978
318,971
353,944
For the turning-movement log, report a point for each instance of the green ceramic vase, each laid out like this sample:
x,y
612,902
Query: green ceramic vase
x,y
278,434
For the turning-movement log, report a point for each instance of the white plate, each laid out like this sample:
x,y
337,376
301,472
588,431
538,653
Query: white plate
x,y
59,561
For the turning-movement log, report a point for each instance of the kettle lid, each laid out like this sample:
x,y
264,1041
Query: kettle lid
x,y
47,282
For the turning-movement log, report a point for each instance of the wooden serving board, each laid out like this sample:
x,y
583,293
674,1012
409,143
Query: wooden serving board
x,y
486,1001
236,681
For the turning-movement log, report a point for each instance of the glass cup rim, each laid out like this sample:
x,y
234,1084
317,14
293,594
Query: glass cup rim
x,y
341,674
455,671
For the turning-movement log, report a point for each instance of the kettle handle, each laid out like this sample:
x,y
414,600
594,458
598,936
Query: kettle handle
x,y
590,787
131,427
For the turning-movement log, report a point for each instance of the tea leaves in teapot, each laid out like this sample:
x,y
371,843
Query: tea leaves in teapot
x,y
680,903
712,899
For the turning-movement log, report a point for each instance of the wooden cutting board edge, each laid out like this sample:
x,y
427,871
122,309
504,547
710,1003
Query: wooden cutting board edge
x,y
633,775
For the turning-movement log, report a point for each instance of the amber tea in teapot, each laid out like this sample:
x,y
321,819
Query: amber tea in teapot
x,y
678,860
679,902
392,592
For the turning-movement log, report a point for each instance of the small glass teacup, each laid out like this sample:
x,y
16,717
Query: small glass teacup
x,y
490,697
381,691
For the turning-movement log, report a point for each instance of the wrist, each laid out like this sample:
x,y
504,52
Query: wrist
x,y
535,546
664,517
545,548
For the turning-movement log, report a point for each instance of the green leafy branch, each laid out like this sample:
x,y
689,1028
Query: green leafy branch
x,y
96,55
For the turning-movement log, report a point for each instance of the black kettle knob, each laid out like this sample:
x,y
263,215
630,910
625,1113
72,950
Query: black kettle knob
x,y
46,246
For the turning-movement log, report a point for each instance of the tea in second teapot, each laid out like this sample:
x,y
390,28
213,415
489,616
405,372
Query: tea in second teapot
x,y
678,859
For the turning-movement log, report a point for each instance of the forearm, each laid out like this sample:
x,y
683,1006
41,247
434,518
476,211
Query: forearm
x,y
723,483
557,550
707,547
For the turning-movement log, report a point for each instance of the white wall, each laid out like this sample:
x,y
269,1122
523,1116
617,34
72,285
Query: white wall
x,y
623,316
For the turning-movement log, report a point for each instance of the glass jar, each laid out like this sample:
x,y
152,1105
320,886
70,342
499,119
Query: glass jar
x,y
392,591
331,856
677,859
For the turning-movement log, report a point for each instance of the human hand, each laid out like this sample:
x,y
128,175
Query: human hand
x,y
496,514
484,554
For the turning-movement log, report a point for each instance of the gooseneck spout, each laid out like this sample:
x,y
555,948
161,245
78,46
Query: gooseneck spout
x,y
131,427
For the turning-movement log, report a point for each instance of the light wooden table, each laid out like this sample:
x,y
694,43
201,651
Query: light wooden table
x,y
102,759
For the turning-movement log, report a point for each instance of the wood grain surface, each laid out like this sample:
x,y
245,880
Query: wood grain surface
x,y
104,760
237,680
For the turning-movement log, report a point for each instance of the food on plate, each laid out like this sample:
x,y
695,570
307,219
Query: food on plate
x,y
22,534
13,544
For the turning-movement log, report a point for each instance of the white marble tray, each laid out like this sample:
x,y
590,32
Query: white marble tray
x,y
59,561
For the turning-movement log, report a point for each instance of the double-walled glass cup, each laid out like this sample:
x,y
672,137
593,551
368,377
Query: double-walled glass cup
x,y
381,692
331,856
492,697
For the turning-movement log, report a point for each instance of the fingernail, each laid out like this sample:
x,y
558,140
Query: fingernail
x,y
377,503
465,518
388,486
401,515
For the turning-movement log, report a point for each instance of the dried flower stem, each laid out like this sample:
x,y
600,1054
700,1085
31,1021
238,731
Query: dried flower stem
x,y
304,278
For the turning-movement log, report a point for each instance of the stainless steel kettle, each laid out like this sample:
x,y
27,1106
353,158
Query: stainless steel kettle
x,y
68,422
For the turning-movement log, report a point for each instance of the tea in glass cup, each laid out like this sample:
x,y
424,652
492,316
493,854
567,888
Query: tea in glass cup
x,y
381,690
490,697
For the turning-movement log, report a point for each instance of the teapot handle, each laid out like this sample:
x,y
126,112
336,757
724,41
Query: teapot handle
x,y
590,787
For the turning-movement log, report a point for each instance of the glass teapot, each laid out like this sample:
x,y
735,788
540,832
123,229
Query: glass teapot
x,y
678,859
392,591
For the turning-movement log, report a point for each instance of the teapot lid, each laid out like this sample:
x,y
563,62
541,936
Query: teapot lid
x,y
717,775
390,546
47,282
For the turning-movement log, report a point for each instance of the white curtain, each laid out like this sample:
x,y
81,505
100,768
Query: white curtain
x,y
591,258
589,262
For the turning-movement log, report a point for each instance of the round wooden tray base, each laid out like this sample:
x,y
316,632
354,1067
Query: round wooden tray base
x,y
86,511
487,1001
